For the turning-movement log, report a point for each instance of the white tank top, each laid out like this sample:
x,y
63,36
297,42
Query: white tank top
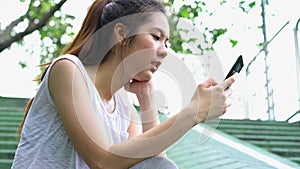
x,y
44,143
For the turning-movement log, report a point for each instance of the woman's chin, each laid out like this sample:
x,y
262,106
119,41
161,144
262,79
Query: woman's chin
x,y
144,78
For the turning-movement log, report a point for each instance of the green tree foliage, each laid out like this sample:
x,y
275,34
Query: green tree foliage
x,y
45,16
191,11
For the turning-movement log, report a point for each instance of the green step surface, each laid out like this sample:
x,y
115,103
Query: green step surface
x,y
281,138
5,163
262,132
189,152
12,144
277,140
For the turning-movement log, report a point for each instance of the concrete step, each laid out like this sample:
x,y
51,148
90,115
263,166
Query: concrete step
x,y
12,144
8,109
257,128
295,159
270,144
9,136
7,153
9,124
262,132
255,122
11,112
11,119
13,102
6,163
8,129
267,137
286,151
259,123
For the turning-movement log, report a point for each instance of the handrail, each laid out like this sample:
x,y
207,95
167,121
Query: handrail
x,y
297,65
263,47
298,112
297,58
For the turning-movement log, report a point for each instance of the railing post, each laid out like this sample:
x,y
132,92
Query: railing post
x,y
297,59
269,87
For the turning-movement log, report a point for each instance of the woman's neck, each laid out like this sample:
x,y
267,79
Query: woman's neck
x,y
107,82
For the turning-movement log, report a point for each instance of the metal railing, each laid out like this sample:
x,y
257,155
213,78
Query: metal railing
x,y
297,66
297,58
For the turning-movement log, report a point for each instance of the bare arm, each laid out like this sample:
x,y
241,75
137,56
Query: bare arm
x,y
144,93
148,109
87,132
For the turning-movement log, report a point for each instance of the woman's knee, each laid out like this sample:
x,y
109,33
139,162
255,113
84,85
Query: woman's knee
x,y
155,162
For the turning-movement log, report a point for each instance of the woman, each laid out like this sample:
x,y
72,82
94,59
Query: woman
x,y
77,118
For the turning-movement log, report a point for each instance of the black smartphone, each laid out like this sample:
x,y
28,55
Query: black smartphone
x,y
237,67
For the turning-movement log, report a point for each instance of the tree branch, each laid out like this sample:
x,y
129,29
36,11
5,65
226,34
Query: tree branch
x,y
31,27
6,32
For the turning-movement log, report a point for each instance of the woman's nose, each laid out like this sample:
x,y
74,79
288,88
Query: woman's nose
x,y
163,51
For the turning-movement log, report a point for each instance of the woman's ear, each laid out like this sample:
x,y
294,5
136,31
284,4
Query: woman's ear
x,y
119,32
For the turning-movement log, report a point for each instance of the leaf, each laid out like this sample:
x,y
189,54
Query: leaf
x,y
246,8
192,40
251,5
216,33
46,5
23,64
222,2
184,13
260,45
233,42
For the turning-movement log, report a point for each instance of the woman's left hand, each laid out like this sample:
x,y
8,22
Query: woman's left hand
x,y
143,91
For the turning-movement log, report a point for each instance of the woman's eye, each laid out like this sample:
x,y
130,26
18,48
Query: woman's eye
x,y
156,37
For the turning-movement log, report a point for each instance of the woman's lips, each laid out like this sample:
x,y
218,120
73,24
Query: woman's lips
x,y
156,64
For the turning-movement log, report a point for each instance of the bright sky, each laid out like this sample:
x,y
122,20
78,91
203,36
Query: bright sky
x,y
17,82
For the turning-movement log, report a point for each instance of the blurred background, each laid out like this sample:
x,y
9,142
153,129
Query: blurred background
x,y
260,128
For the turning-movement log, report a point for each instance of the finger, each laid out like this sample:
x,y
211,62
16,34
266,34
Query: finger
x,y
228,92
228,103
127,86
209,82
228,82
134,80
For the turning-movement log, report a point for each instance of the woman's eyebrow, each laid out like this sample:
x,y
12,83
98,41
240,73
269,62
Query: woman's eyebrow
x,y
160,31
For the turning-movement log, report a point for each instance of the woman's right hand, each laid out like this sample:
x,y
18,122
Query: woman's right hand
x,y
209,99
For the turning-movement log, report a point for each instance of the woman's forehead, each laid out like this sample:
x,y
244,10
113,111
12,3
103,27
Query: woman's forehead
x,y
158,22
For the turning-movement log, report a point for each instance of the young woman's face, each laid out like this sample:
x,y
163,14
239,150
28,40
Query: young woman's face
x,y
148,49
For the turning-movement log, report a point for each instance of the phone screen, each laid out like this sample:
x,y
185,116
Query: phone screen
x,y
237,67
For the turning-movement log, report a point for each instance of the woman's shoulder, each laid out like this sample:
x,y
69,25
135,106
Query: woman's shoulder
x,y
70,57
64,77
64,62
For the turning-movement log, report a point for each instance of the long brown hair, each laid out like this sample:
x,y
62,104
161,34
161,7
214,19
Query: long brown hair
x,y
99,14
